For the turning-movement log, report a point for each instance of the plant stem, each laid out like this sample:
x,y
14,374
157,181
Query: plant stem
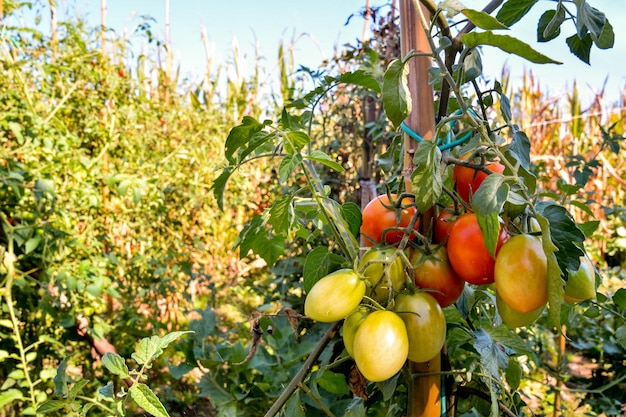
x,y
304,370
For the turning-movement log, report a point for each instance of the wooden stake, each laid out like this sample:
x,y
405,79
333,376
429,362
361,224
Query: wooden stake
x,y
426,395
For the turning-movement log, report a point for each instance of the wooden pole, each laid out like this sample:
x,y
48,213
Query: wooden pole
x,y
426,395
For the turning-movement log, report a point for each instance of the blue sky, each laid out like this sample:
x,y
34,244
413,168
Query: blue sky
x,y
322,24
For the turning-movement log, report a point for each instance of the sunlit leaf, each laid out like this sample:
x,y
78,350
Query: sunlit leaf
x,y
281,215
115,364
146,399
426,178
507,44
333,383
240,135
513,10
360,78
325,159
396,95
488,202
565,234
483,20
352,215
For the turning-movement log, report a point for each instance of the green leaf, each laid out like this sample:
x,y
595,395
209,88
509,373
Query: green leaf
x,y
507,44
356,408
333,383
146,399
323,158
107,391
556,286
9,396
295,141
152,347
619,298
294,406
620,335
520,147
51,405
287,165
426,178
42,187
281,215
360,78
513,374
115,364
590,19
316,267
483,20
580,47
487,203
565,234
396,94
61,379
240,135
220,184
590,227
352,215
549,26
77,388
472,66
492,358
513,10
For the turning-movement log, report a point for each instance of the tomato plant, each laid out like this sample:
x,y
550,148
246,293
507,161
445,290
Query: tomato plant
x,y
380,216
351,325
514,318
334,296
425,324
385,272
521,273
467,180
434,274
467,251
381,345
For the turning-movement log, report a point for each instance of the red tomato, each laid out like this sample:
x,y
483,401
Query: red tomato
x,y
467,252
468,180
443,224
435,275
377,218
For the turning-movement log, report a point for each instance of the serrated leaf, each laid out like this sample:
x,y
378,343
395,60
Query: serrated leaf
x,y
351,213
256,237
487,203
323,158
50,405
115,364
146,399
580,47
396,94
513,10
240,135
483,20
556,286
492,358
360,78
152,347
280,215
507,44
549,25
426,178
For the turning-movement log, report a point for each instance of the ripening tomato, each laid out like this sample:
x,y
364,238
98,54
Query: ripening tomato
x,y
381,345
467,252
443,224
375,272
351,325
581,285
514,318
467,180
521,273
377,218
335,296
425,324
434,274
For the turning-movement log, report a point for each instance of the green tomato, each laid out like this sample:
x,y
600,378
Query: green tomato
x,y
425,324
581,285
335,296
514,318
351,325
381,345
382,282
